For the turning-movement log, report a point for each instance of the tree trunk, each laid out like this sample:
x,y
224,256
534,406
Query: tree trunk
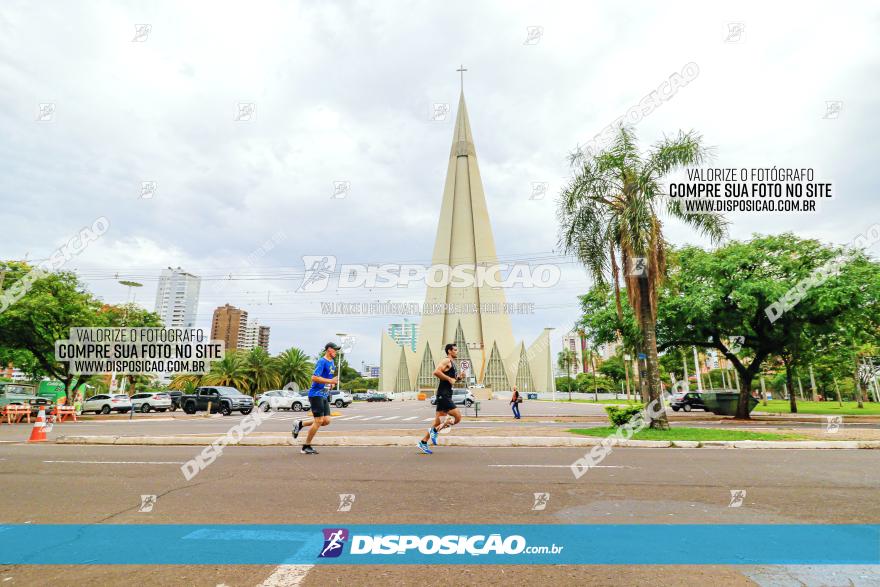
x,y
649,337
858,388
837,392
745,391
789,378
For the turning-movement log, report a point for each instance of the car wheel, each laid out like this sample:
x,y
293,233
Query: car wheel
x,y
189,407
468,403
264,406
297,407
687,408
225,409
339,403
173,408
674,408
161,409
246,411
145,408
105,410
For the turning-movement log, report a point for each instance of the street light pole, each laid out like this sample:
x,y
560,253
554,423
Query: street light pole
x,y
341,336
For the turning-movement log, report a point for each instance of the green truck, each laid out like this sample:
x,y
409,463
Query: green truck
x,y
41,394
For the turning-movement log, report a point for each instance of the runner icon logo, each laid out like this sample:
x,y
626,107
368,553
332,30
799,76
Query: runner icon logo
x,y
334,541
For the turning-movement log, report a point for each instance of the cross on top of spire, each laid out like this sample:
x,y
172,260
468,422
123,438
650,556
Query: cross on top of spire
x,y
461,69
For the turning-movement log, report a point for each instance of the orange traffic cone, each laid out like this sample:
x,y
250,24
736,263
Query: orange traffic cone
x,y
38,432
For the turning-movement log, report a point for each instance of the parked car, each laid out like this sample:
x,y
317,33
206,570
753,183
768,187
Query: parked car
x,y
145,402
340,398
378,397
221,399
360,396
687,401
460,397
106,403
14,393
175,399
284,399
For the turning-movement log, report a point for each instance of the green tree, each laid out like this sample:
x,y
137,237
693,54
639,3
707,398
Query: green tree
x,y
565,360
713,298
294,366
232,371
53,304
133,316
612,207
262,371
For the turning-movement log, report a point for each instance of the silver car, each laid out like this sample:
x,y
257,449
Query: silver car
x,y
151,401
284,399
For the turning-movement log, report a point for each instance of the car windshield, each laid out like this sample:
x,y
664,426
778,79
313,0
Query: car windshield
x,y
228,391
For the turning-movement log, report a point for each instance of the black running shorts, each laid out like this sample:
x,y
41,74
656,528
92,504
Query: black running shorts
x,y
320,406
445,404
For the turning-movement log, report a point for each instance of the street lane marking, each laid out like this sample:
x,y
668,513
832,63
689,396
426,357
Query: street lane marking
x,y
410,418
428,420
390,418
566,466
350,418
120,462
287,576
371,418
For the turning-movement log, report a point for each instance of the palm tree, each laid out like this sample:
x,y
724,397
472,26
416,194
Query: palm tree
x,y
564,360
261,371
230,371
611,208
293,366
185,381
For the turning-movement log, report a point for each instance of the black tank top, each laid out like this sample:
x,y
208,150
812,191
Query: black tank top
x,y
445,388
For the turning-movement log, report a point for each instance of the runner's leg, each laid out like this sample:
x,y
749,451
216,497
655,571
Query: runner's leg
x,y
437,418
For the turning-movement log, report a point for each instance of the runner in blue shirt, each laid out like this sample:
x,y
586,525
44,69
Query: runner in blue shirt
x,y
319,397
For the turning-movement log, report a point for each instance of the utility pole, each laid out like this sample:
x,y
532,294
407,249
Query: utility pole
x,y
697,371
687,383
813,385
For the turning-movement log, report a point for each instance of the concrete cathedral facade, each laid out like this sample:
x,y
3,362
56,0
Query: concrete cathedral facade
x,y
485,339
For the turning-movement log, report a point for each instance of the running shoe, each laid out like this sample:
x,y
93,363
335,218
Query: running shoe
x,y
433,434
423,446
307,450
297,427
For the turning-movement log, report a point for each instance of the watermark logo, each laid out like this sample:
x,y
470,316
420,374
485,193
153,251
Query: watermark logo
x,y
142,33
245,112
737,496
346,501
439,112
534,34
318,269
341,189
832,109
736,344
46,112
636,113
541,501
736,32
539,190
74,246
210,453
638,267
148,502
599,452
348,342
819,276
148,190
833,423
334,542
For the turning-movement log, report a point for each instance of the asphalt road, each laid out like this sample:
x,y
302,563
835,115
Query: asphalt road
x,y
49,483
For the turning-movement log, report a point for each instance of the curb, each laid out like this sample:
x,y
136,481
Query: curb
x,y
476,441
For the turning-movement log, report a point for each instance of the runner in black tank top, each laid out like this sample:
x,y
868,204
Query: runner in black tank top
x,y
447,374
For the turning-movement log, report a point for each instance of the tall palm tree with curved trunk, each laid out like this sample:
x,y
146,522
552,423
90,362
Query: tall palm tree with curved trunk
x,y
231,371
611,207
294,366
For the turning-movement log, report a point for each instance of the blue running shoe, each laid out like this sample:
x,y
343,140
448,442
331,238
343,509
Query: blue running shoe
x,y
433,434
423,446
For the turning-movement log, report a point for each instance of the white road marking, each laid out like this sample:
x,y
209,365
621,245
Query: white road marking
x,y
351,418
287,576
428,420
120,462
371,418
390,418
410,418
565,466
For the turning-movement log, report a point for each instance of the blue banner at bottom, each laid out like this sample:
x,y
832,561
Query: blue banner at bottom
x,y
635,544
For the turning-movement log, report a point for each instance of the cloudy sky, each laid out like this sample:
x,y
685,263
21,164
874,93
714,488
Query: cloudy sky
x,y
344,92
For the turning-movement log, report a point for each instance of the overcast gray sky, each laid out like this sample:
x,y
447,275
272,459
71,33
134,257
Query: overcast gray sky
x,y
344,92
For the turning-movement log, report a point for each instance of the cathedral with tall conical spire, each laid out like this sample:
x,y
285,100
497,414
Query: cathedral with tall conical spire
x,y
464,238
